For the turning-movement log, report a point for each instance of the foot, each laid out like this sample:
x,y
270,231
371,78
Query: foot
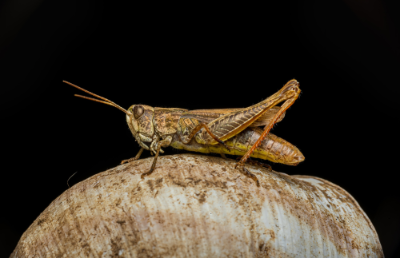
x,y
247,173
256,163
128,160
147,173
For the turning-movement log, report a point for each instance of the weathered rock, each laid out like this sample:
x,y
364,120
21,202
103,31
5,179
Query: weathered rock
x,y
200,206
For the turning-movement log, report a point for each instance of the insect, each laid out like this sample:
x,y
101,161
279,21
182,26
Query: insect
x,y
226,131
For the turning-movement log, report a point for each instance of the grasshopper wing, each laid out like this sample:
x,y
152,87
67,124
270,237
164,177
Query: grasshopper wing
x,y
208,115
266,118
223,123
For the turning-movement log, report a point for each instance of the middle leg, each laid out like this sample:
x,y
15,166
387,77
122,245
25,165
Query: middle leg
x,y
162,143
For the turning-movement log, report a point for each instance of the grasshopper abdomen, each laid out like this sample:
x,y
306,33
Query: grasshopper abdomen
x,y
272,148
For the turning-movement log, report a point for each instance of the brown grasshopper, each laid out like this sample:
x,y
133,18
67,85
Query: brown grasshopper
x,y
225,131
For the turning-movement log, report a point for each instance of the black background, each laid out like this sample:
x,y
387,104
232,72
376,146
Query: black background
x,y
345,54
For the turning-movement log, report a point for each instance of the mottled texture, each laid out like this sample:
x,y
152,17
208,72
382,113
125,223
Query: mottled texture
x,y
200,206
166,120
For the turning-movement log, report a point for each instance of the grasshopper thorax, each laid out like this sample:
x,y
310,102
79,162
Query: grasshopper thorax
x,y
141,124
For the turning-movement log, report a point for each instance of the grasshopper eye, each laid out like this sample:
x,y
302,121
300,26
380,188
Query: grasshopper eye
x,y
138,111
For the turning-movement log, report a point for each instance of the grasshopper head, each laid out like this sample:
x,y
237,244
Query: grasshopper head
x,y
141,123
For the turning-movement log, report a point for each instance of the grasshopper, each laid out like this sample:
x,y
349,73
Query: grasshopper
x,y
224,131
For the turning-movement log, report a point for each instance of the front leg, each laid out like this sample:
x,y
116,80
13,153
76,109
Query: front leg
x,y
134,158
163,143
153,148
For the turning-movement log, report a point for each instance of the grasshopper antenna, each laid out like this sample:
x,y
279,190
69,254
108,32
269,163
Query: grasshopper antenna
x,y
104,100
